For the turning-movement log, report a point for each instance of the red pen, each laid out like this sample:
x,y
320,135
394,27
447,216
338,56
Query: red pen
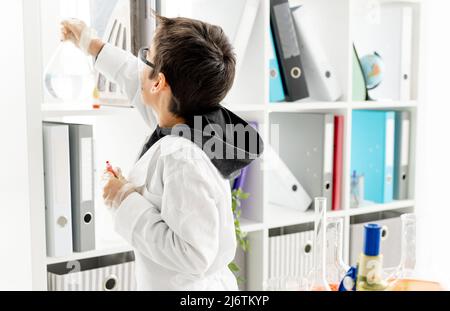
x,y
110,169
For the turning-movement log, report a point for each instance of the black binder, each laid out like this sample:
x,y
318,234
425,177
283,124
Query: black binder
x,y
288,50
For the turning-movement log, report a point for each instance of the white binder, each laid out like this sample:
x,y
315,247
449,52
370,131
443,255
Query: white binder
x,y
321,76
402,138
244,31
307,141
406,54
284,189
57,189
236,17
390,34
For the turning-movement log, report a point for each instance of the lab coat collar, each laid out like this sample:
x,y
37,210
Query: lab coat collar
x,y
215,133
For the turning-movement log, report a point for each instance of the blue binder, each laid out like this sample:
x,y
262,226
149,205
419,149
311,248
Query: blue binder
x,y
276,84
373,141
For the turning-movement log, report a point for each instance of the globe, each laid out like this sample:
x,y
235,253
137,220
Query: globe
x,y
373,69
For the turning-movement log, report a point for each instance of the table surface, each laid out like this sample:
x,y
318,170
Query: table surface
x,y
415,285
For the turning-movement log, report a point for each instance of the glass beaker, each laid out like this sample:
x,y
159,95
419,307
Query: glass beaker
x,y
408,257
335,267
69,76
405,270
317,279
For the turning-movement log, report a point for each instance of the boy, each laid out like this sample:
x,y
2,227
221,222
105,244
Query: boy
x,y
175,206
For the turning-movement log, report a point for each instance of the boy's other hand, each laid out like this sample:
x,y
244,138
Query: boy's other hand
x,y
116,189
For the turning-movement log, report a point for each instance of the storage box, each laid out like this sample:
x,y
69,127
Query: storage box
x,y
290,254
107,273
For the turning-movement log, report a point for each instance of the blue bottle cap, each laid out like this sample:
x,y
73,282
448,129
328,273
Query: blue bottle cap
x,y
372,239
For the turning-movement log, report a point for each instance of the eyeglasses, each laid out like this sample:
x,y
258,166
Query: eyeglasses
x,y
143,53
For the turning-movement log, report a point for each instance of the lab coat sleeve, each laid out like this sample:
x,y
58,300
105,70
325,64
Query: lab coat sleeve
x,y
184,236
121,67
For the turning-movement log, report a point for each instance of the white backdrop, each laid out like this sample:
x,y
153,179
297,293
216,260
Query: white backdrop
x,y
15,242
433,187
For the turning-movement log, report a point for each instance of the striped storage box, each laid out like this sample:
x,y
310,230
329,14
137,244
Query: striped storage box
x,y
108,273
291,255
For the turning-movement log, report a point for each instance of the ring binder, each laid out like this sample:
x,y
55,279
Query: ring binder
x,y
82,187
58,214
320,75
288,50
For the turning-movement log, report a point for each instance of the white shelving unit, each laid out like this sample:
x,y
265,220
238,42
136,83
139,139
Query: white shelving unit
x,y
119,129
336,27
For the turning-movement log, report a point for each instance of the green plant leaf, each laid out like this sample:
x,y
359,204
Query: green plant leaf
x,y
237,196
245,196
246,246
234,267
242,244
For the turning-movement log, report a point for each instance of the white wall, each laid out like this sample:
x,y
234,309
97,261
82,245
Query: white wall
x,y
15,248
433,186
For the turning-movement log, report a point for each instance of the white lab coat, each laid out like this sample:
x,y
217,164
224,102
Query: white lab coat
x,y
180,222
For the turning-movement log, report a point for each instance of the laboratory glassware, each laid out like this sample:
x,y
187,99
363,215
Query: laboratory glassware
x,y
335,267
69,75
317,277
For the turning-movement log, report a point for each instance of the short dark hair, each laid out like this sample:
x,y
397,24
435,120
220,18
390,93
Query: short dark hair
x,y
198,61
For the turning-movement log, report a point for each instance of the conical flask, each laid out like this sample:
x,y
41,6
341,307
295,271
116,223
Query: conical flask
x,y
317,278
335,267
68,76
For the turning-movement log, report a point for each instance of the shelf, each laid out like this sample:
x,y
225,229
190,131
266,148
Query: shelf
x,y
71,110
368,209
400,1
103,251
388,104
109,249
245,108
326,106
248,225
306,106
282,217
